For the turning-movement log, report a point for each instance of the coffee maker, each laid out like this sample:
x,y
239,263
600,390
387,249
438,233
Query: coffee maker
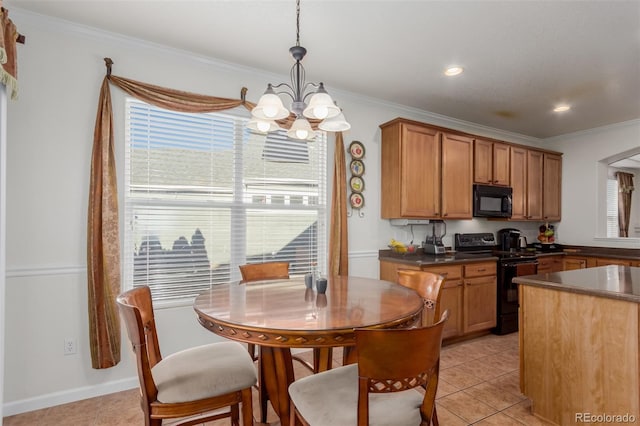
x,y
433,242
509,239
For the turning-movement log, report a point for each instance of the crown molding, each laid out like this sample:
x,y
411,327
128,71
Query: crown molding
x,y
595,130
69,27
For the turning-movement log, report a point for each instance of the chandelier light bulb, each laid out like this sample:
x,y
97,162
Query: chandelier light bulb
x,y
270,106
321,112
321,105
270,111
301,129
263,126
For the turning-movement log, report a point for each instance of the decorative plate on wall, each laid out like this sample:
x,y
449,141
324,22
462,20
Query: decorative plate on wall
x,y
356,183
357,168
356,200
356,149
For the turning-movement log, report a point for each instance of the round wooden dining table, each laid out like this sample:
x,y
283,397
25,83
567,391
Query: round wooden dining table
x,y
282,314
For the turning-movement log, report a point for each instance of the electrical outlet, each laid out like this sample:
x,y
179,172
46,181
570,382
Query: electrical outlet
x,y
70,346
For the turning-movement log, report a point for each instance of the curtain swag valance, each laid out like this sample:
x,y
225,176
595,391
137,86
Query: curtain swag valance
x,y
103,234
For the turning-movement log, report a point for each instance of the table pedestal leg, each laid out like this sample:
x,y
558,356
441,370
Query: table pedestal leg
x,y
277,373
322,359
349,356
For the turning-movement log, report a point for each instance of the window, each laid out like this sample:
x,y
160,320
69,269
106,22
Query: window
x,y
612,209
203,195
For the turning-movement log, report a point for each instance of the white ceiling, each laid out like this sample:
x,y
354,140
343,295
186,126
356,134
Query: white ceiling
x,y
521,58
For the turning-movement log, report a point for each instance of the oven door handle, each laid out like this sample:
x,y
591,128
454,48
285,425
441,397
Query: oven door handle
x,y
512,264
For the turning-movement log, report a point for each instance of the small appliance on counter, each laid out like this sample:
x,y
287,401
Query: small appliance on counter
x,y
433,242
509,239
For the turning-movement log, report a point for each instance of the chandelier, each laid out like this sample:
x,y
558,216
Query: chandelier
x,y
321,107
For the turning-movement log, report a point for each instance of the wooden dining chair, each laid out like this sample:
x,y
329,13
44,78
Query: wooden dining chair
x,y
189,383
381,388
264,271
428,285
257,272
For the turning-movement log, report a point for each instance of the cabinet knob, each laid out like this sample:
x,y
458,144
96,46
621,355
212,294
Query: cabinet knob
x,y
446,214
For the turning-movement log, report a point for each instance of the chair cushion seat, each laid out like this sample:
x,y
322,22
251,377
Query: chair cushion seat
x,y
331,398
203,372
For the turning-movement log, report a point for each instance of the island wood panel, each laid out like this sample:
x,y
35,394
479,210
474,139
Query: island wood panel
x,y
569,365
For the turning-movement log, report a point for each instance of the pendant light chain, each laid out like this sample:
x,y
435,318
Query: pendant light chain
x,y
297,22
320,107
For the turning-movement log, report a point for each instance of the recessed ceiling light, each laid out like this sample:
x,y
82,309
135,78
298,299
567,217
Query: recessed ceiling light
x,y
451,71
561,108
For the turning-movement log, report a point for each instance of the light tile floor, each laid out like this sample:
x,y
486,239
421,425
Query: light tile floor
x,y
479,385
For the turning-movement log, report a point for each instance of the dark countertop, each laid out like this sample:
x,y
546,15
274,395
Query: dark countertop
x,y
604,252
458,257
430,259
613,282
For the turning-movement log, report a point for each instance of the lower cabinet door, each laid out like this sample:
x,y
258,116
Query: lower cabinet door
x,y
451,299
480,298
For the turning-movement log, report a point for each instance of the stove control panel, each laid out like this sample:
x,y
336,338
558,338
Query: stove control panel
x,y
474,241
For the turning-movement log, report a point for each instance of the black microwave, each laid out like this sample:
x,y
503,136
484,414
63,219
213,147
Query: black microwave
x,y
491,201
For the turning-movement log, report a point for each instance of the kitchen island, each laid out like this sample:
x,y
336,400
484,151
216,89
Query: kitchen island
x,y
580,345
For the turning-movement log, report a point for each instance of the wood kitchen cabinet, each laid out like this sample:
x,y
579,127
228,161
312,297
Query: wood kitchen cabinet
x,y
552,182
450,298
528,182
491,163
457,184
535,161
553,263
410,170
469,293
604,261
518,179
571,262
480,297
425,172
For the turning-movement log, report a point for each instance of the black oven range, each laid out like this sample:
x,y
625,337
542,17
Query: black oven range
x,y
511,263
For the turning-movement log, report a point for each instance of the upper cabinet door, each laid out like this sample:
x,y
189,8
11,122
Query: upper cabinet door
x,y
491,163
420,179
501,164
518,178
457,176
410,171
534,185
482,162
552,199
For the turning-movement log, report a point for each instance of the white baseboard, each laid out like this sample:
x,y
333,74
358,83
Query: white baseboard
x,y
64,397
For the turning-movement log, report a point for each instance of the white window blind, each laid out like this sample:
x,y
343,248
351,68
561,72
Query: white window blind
x,y
612,209
203,195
